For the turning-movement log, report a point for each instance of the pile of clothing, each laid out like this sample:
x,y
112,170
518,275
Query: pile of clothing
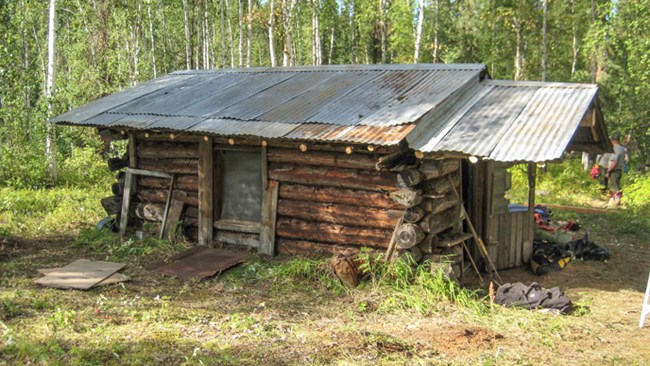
x,y
549,256
532,297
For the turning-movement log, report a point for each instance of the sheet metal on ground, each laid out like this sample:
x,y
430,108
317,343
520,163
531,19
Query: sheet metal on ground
x,y
200,262
81,274
114,278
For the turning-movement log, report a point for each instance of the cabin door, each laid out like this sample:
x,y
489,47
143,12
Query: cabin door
x,y
238,197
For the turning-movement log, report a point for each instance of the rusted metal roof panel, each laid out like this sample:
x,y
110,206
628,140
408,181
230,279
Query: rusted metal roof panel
x,y
376,135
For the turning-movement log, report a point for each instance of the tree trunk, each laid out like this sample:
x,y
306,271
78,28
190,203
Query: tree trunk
x,y
50,146
230,39
152,40
383,29
574,43
222,25
271,30
186,22
544,38
519,55
249,34
316,47
418,32
241,32
331,50
436,22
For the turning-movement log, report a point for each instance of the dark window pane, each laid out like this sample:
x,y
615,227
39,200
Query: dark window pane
x,y
241,183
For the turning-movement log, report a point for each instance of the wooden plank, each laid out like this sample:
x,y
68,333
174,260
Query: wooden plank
x,y
234,238
148,173
173,217
340,214
356,197
238,226
81,274
265,167
126,202
206,186
269,218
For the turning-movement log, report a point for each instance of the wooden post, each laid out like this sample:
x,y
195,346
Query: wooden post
x,y
129,184
269,217
206,191
527,250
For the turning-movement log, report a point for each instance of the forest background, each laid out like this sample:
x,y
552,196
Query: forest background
x,y
101,46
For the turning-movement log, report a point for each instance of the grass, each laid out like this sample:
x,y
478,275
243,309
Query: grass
x,y
294,311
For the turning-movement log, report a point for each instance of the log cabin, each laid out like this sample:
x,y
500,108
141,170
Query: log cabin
x,y
315,160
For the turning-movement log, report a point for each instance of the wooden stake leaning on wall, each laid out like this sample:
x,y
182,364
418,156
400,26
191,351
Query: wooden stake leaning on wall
x,y
169,201
393,242
479,241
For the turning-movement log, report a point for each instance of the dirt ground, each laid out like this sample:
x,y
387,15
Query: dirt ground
x,y
161,320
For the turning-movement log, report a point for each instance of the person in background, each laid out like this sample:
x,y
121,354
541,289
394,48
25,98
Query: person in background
x,y
615,172
603,164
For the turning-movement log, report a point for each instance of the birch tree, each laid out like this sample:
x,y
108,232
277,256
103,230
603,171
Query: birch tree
x,y
418,31
50,80
271,31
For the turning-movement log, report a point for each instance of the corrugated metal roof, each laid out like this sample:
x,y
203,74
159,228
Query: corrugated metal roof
x,y
437,108
513,122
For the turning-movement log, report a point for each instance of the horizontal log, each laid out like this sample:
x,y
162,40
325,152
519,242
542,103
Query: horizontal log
x,y
154,212
176,166
415,253
437,223
167,150
437,205
409,178
397,159
429,243
440,185
235,238
332,233
160,196
322,158
437,168
414,214
118,188
112,205
309,248
355,197
339,214
407,197
408,236
333,177
183,182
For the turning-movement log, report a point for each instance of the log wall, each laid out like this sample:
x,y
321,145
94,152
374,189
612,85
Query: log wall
x,y
179,158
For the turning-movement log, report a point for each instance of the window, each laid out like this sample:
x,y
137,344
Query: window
x,y
241,185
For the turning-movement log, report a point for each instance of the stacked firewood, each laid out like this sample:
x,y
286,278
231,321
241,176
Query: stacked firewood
x,y
113,204
431,223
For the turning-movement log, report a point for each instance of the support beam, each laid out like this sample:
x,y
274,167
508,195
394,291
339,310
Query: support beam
x,y
206,191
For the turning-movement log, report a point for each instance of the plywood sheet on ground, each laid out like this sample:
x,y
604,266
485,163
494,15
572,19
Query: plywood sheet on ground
x,y
200,262
114,278
81,274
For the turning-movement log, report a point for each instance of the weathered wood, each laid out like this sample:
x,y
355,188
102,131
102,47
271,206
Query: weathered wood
x,y
409,235
173,218
111,134
360,198
309,248
322,158
167,150
346,267
168,201
331,233
430,241
407,197
126,202
409,178
176,166
118,163
455,240
150,211
339,214
234,238
437,223
437,168
112,205
159,195
440,186
333,177
206,190
148,173
183,183
436,205
269,218
400,158
238,226
414,214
